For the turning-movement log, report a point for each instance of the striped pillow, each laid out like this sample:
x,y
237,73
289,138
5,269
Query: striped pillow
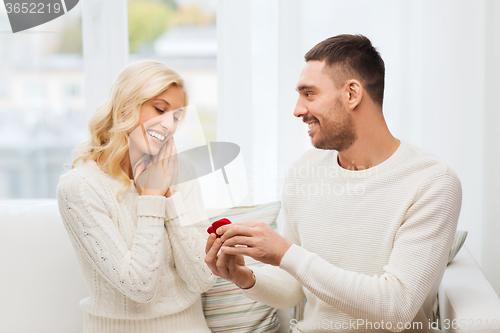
x,y
458,241
225,307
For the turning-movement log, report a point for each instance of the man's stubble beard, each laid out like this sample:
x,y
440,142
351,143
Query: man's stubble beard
x,y
336,135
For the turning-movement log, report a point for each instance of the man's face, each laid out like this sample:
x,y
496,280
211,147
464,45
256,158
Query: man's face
x,y
330,125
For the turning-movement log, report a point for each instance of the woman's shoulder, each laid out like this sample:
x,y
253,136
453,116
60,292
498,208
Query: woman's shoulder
x,y
81,171
83,175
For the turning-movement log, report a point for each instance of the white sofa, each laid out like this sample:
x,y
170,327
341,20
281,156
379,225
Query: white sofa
x,y
41,283
466,298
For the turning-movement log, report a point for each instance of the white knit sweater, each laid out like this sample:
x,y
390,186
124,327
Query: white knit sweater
x,y
369,245
143,271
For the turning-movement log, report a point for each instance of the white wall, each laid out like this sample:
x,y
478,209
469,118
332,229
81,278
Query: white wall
x,y
441,81
258,64
487,170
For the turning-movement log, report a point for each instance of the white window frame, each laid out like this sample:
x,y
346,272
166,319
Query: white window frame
x,y
105,47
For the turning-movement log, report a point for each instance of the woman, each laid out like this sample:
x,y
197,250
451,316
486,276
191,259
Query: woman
x,y
143,271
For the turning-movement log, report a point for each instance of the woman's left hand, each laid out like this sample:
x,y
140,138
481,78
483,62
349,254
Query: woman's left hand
x,y
161,172
168,154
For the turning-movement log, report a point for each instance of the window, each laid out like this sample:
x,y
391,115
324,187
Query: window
x,y
42,114
182,35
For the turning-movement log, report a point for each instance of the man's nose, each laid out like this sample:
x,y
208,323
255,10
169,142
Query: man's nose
x,y
300,110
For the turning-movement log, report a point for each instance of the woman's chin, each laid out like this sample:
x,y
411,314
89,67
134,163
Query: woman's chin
x,y
154,151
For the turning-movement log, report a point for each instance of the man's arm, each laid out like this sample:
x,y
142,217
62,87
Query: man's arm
x,y
419,254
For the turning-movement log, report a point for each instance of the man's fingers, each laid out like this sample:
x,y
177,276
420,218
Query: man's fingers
x,y
239,240
246,251
240,260
230,230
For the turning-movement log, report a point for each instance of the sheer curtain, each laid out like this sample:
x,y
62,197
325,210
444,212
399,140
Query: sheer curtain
x,y
441,83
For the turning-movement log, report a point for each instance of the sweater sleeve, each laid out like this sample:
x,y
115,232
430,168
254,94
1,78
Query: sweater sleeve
x,y
274,286
419,254
135,271
186,231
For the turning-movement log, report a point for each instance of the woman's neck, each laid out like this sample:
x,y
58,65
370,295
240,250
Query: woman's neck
x,y
125,165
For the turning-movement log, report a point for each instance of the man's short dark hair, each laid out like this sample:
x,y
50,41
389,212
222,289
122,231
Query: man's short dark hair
x,y
355,57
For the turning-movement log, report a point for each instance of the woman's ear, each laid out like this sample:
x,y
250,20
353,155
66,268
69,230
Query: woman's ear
x,y
354,91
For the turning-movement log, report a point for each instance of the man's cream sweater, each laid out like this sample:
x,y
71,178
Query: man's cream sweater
x,y
143,271
369,246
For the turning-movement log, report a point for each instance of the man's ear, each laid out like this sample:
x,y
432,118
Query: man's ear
x,y
354,92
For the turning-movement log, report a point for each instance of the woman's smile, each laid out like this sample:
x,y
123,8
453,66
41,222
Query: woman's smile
x,y
156,136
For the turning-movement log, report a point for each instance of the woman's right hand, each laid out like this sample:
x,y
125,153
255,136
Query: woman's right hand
x,y
159,177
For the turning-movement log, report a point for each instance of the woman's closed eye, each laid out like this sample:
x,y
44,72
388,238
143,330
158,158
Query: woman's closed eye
x,y
176,117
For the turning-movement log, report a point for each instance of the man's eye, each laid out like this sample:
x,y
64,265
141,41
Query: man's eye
x,y
159,110
308,95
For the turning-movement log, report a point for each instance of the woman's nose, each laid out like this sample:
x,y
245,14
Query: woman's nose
x,y
167,121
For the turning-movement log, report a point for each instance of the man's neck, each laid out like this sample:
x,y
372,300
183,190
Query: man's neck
x,y
368,151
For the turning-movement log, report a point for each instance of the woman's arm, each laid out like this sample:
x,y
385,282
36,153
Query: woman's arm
x,y
136,271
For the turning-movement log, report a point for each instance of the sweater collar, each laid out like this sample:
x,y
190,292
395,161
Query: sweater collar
x,y
373,171
114,182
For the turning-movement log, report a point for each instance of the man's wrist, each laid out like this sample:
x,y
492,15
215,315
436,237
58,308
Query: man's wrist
x,y
249,282
285,250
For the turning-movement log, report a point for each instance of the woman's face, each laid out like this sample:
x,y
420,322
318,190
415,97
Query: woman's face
x,y
159,118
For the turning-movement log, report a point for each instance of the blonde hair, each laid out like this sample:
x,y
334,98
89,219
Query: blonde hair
x,y
111,123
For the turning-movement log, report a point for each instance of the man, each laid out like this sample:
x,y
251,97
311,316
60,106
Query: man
x,y
367,219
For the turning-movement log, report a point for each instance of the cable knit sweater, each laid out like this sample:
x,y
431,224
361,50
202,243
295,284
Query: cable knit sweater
x,y
369,246
143,271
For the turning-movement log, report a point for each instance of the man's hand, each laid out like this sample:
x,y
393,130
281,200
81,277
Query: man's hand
x,y
262,242
228,266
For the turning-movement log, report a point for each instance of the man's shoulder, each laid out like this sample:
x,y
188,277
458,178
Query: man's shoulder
x,y
417,160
